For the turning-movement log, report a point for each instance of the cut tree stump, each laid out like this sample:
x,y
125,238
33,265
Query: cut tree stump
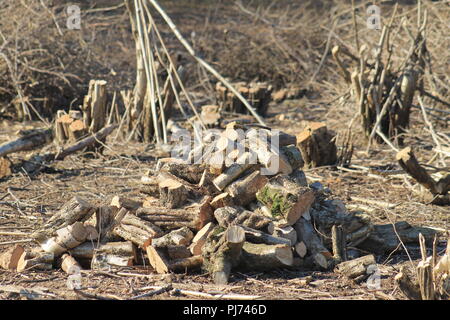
x,y
262,257
306,234
10,258
286,199
119,254
317,146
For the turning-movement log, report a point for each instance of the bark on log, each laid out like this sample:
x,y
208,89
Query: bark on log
x,y
192,173
104,218
222,254
233,172
186,264
182,236
5,167
222,200
66,238
262,257
288,233
121,254
286,199
357,267
75,210
129,204
35,260
244,189
228,215
425,279
136,230
339,244
10,258
28,142
407,286
84,251
256,236
178,252
195,216
69,264
306,233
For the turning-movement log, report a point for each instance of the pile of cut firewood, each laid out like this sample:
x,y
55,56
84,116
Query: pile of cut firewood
x,y
219,211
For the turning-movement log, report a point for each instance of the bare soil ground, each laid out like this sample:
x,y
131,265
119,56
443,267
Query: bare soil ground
x,y
27,201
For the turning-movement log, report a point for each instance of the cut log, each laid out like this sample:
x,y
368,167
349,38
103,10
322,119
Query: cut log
x,y
306,234
357,267
222,252
84,251
288,233
286,199
10,258
178,252
200,238
262,257
35,260
104,218
192,173
136,230
339,244
233,172
244,189
182,236
228,215
222,200
120,254
157,259
69,264
256,236
91,232
186,264
195,216
409,163
31,141
66,238
129,204
301,249
75,210
317,146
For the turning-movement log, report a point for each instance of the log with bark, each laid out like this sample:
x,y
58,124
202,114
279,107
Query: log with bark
x,y
114,254
75,210
263,257
66,238
222,252
200,238
5,167
30,141
286,199
306,234
357,268
227,216
194,216
36,260
243,191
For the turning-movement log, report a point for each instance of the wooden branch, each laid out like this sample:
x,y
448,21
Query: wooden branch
x,y
88,141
